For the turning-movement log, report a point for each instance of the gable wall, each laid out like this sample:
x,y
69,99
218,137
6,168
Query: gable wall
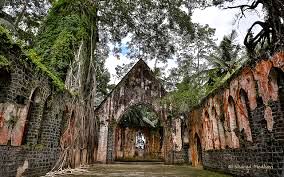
x,y
139,86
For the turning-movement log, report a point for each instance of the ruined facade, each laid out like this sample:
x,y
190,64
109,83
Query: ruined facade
x,y
239,129
139,86
31,116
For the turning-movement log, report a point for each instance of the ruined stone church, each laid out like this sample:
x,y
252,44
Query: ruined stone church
x,y
237,129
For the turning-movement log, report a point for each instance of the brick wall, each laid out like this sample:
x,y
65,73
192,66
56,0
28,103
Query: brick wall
x,y
31,112
241,127
40,161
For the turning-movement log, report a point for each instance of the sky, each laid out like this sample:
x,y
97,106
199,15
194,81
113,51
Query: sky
x,y
224,21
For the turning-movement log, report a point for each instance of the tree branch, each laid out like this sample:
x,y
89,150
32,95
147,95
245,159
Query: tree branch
x,y
246,7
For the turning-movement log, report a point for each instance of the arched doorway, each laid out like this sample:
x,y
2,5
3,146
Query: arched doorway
x,y
138,86
33,118
197,143
138,135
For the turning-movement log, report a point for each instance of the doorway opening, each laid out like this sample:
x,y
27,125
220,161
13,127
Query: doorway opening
x,y
139,135
199,150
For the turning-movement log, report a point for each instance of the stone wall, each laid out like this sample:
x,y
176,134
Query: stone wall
x,y
125,141
28,161
241,127
139,86
31,112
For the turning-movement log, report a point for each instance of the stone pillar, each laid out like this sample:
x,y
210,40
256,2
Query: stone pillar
x,y
102,146
110,144
50,129
34,123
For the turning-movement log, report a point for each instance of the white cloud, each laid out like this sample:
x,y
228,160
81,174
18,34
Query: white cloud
x,y
221,20
224,20
112,62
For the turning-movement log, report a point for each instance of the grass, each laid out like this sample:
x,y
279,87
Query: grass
x,y
143,170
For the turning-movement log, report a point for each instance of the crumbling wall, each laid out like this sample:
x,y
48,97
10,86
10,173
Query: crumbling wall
x,y
241,126
30,117
139,86
125,143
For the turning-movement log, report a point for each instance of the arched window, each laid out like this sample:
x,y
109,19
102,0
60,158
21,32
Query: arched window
x,y
244,116
197,143
280,83
33,119
232,114
208,132
46,126
273,83
138,134
64,120
233,126
215,130
276,83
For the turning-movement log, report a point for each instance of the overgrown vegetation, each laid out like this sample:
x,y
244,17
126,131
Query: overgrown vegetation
x,y
4,62
140,116
8,42
67,24
56,80
227,58
70,44
195,81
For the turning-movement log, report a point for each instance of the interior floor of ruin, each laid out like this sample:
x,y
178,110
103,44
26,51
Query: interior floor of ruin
x,y
138,170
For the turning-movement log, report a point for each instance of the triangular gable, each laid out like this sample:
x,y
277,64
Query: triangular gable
x,y
139,65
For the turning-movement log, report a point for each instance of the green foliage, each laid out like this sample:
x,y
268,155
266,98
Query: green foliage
x,y
5,38
32,55
60,35
198,82
139,116
23,17
4,62
102,78
185,96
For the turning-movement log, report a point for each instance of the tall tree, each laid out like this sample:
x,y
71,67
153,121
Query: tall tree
x,y
193,55
23,17
76,34
270,37
228,55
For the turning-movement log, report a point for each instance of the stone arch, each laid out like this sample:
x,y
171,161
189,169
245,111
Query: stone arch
x,y
197,153
32,124
138,86
221,131
68,132
243,114
64,120
233,123
279,76
215,129
120,136
45,127
185,131
207,131
5,82
148,105
273,83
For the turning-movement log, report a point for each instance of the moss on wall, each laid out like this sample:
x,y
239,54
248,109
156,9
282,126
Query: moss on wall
x,y
4,62
8,46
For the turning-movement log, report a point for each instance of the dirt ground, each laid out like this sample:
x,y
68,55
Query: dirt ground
x,y
138,170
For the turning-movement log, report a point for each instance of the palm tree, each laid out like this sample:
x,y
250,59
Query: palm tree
x,y
227,56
